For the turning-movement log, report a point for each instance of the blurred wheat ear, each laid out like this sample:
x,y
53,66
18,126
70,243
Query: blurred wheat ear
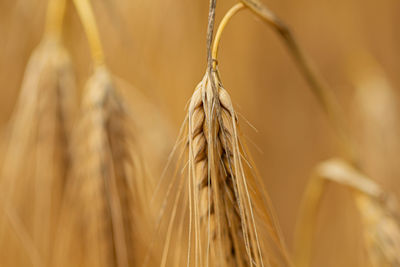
x,y
102,210
37,159
378,210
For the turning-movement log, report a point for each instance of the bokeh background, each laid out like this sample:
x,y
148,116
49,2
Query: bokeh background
x,y
159,47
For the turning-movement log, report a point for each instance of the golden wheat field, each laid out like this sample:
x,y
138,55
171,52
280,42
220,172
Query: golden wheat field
x,y
221,133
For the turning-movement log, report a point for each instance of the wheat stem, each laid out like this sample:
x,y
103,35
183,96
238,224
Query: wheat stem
x,y
228,16
305,226
54,18
321,91
210,31
87,17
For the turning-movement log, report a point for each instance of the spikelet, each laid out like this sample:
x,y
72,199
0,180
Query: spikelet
x,y
106,191
377,208
37,160
225,198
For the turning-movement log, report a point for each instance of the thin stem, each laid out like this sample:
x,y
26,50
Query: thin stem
x,y
306,221
210,31
228,16
55,18
87,17
319,88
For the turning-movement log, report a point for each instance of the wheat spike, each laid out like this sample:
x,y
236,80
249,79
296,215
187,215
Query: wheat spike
x,y
377,208
226,205
107,186
211,165
37,159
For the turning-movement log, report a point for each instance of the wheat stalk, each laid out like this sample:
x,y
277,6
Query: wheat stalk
x,y
318,86
89,24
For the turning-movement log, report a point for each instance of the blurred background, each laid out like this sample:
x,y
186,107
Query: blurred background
x,y
159,47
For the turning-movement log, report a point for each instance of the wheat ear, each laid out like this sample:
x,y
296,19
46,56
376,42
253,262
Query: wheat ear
x,y
106,191
37,160
223,190
230,221
377,209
